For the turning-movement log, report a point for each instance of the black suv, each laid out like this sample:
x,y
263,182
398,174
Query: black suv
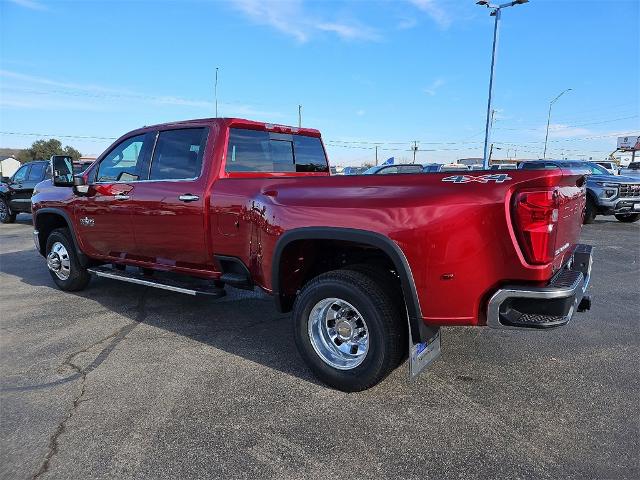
x,y
15,192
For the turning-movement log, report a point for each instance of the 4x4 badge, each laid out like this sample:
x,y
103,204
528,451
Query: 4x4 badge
x,y
498,178
87,222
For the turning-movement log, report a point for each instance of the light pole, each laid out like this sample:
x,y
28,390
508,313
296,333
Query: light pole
x,y
495,12
546,137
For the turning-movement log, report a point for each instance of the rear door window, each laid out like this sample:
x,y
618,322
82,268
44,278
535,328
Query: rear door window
x,y
178,154
259,151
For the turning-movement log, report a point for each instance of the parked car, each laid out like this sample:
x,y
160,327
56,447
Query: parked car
x,y
453,167
610,167
353,170
607,194
439,167
370,266
431,167
79,167
633,170
503,166
391,169
15,191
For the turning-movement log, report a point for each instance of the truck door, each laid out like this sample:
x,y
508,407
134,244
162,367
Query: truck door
x,y
21,187
168,210
103,215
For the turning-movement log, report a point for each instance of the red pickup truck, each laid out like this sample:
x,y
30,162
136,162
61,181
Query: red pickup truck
x,y
371,266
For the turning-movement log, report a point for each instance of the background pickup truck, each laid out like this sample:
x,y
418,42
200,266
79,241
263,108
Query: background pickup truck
x,y
371,266
15,191
607,194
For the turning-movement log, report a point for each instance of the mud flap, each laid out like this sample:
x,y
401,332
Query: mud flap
x,y
421,355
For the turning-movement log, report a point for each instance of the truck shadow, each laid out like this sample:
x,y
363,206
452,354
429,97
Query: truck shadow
x,y
245,324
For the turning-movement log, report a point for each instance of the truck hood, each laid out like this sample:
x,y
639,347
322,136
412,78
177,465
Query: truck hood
x,y
612,179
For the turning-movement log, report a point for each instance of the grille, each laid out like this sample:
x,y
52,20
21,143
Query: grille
x,y
629,190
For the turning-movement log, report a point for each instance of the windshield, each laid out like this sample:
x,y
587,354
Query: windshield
x,y
598,169
371,170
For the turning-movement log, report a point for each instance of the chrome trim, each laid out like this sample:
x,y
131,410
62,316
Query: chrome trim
x,y
121,196
139,281
576,290
187,197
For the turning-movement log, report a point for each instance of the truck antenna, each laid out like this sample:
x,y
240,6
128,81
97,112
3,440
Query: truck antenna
x,y
215,88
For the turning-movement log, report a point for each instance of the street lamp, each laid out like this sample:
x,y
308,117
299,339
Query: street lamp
x,y
495,12
546,137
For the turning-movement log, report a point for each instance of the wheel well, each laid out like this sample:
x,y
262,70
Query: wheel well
x,y
303,260
45,224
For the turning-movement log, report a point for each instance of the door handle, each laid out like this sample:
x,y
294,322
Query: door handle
x,y
121,196
187,197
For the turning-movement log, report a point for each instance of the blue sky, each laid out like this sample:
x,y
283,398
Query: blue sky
x,y
389,72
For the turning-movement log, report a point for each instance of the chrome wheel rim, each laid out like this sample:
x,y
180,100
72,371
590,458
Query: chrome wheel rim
x,y
338,333
58,261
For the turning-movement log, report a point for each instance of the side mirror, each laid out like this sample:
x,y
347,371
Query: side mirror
x,y
5,179
80,185
62,168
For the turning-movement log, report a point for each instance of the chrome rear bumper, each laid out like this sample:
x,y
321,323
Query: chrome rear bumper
x,y
516,306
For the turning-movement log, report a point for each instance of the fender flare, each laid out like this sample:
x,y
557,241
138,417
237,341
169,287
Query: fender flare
x,y
419,331
83,259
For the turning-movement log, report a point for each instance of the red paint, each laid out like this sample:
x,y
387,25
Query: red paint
x,y
459,238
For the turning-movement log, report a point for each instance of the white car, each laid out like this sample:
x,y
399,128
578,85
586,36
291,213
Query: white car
x,y
610,167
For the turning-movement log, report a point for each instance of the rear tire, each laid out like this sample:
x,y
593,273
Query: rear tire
x,y
6,216
359,311
628,218
589,212
63,263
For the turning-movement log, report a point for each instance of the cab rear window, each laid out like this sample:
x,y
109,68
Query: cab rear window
x,y
258,151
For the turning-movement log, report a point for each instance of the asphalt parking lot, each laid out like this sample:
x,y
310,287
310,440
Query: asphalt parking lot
x,y
125,381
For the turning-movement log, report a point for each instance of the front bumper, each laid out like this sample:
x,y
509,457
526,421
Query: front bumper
x,y
619,205
516,306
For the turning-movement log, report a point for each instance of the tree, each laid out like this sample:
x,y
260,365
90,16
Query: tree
x,y
44,149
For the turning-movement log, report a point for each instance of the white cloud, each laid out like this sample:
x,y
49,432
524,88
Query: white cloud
x,y
290,18
350,32
557,130
435,85
432,8
30,4
278,14
407,23
39,95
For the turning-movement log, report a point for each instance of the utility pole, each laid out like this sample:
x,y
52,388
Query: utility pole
x,y
216,92
546,137
496,11
299,116
415,150
376,155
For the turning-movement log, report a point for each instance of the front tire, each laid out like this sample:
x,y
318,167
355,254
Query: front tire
x,y
6,216
63,263
349,330
589,212
628,218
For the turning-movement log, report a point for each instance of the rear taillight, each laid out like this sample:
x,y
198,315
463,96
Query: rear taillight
x,y
535,215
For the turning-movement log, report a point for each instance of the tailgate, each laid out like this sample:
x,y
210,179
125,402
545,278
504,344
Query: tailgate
x,y
572,202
